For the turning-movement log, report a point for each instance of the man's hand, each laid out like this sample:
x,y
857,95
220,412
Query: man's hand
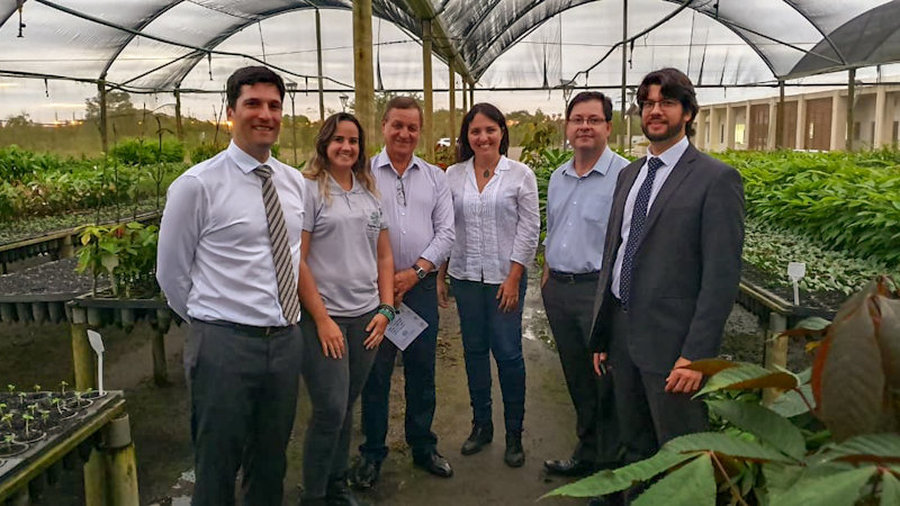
x,y
403,282
600,363
681,380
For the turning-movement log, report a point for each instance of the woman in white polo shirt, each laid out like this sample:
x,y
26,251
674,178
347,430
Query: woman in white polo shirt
x,y
495,203
346,290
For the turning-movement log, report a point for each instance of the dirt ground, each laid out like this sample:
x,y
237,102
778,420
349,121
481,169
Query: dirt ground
x,y
159,416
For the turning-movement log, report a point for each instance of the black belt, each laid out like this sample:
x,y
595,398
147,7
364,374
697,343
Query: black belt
x,y
568,277
250,330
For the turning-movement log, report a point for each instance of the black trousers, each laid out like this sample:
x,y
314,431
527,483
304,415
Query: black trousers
x,y
243,392
418,371
569,308
648,415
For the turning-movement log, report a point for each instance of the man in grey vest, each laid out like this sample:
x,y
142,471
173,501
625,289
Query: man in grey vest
x,y
579,198
418,206
229,252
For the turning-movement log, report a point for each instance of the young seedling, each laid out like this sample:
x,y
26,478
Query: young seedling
x,y
32,408
37,388
8,441
22,396
7,419
45,416
28,418
62,388
56,401
11,388
2,407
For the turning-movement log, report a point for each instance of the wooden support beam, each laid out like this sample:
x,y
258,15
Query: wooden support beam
x,y
319,63
851,98
428,90
179,126
779,118
362,69
452,107
82,354
776,350
104,133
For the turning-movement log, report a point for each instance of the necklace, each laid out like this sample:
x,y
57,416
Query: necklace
x,y
486,173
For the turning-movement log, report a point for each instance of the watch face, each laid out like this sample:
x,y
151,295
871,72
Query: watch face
x,y
420,272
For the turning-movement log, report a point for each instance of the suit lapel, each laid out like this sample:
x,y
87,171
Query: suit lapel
x,y
679,173
614,235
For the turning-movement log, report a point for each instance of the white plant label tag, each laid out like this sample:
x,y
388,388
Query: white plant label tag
x,y
97,344
796,270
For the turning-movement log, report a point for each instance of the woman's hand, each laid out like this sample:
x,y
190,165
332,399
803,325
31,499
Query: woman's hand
x,y
508,294
443,293
375,328
331,338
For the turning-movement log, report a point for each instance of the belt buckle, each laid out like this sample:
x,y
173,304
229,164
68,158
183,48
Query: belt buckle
x,y
570,278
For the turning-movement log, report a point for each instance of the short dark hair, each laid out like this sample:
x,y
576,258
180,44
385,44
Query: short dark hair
x,y
464,149
674,85
586,96
402,102
250,76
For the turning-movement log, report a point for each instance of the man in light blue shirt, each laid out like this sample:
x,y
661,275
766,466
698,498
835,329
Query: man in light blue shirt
x,y
579,199
419,210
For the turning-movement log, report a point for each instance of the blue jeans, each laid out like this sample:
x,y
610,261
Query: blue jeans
x,y
418,370
486,329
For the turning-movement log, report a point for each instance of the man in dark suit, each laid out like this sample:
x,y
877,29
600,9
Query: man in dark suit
x,y
675,237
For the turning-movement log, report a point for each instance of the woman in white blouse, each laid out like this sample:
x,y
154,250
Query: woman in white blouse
x,y
495,203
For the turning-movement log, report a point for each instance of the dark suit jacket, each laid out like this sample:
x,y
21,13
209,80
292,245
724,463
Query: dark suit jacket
x,y
687,266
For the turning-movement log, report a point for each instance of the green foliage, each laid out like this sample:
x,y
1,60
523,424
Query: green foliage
x,y
538,138
141,151
848,201
206,151
760,456
16,163
125,253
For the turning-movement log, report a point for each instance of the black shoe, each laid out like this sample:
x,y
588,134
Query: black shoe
x,y
569,467
482,434
514,455
339,494
435,464
364,473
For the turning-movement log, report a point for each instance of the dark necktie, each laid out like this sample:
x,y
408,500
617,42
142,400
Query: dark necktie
x,y
638,218
281,250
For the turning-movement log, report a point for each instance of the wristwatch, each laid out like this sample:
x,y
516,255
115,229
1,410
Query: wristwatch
x,y
420,272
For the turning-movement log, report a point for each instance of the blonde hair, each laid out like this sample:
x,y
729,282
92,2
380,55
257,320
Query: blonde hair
x,y
317,170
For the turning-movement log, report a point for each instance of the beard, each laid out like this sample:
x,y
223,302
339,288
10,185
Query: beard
x,y
671,132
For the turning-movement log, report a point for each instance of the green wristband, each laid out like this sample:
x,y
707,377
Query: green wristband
x,y
388,311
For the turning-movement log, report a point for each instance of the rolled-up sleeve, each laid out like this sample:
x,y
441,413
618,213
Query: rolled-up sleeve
x,y
438,250
528,224
179,234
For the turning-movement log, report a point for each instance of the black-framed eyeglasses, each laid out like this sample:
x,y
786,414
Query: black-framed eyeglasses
x,y
401,192
666,104
592,121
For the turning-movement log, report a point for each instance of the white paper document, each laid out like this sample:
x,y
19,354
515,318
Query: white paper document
x,y
405,328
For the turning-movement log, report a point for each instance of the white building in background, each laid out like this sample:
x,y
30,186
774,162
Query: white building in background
x,y
813,121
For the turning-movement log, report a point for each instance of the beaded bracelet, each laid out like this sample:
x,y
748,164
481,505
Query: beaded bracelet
x,y
388,311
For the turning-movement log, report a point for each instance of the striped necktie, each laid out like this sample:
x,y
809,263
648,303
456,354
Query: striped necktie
x,y
638,217
281,250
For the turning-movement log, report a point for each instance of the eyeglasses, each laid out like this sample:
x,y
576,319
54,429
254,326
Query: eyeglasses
x,y
666,104
401,193
592,121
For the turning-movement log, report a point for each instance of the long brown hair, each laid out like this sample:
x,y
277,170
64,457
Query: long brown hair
x,y
318,169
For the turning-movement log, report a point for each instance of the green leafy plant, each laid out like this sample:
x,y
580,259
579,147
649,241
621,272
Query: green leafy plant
x,y
125,253
776,454
140,152
205,151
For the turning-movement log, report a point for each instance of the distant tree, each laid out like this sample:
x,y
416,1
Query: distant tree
x,y
118,103
19,120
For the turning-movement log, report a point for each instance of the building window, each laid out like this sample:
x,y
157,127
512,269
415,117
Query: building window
x,y
722,134
856,130
896,133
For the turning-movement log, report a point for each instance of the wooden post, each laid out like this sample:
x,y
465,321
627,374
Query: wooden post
x,y
82,354
179,126
66,248
779,117
621,142
471,94
776,350
104,135
319,62
452,107
95,489
121,463
465,97
160,370
362,69
427,88
851,98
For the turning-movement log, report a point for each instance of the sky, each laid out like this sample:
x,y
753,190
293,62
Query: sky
x,y
557,51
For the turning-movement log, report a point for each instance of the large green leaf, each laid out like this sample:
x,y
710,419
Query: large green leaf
x,y
839,489
890,489
748,376
725,444
764,424
607,481
880,448
693,484
792,403
780,477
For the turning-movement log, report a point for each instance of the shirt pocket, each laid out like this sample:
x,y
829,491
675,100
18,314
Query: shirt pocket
x,y
597,208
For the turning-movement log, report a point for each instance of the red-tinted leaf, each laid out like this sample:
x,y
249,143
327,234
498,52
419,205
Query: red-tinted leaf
x,y
710,366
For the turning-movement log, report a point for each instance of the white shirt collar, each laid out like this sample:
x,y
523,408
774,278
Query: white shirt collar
x,y
671,156
244,161
601,166
383,160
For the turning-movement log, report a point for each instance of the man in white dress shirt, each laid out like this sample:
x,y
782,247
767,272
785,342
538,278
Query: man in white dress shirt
x,y
229,252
